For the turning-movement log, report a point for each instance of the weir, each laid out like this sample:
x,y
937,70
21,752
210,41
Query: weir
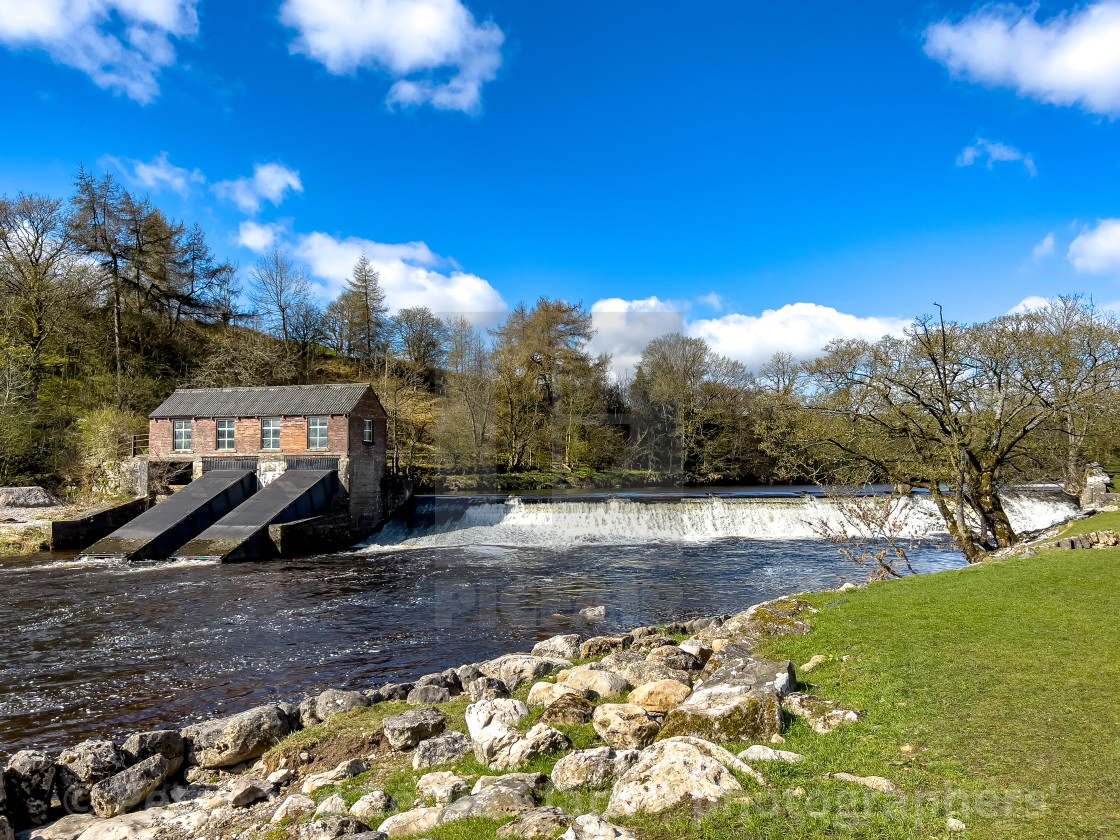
x,y
157,532
242,534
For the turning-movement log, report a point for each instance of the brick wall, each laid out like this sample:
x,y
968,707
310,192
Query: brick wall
x,y
247,437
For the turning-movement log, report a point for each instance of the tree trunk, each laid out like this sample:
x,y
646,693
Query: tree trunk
x,y
962,536
990,507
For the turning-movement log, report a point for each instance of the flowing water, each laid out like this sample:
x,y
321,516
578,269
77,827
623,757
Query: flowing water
x,y
101,648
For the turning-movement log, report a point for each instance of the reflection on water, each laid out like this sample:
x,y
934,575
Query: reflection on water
x,y
98,648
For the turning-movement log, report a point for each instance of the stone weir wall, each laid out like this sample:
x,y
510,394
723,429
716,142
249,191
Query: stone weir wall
x,y
661,706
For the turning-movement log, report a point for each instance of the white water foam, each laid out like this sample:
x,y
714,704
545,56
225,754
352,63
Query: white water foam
x,y
615,521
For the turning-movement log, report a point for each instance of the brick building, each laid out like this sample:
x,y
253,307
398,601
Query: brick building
x,y
272,429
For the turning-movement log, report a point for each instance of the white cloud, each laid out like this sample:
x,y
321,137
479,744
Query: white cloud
x,y
120,44
994,152
712,300
435,49
1043,249
156,174
623,328
802,329
409,275
256,237
269,181
1070,59
1097,251
1029,304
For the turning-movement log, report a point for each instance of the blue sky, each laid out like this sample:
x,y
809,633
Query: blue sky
x,y
776,175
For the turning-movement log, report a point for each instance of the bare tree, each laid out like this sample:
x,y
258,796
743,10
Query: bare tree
x,y
277,289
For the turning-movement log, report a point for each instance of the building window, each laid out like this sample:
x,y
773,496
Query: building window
x,y
270,433
225,436
182,437
316,432
367,431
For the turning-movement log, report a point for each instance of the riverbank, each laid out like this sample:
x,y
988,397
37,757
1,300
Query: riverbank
x,y
986,695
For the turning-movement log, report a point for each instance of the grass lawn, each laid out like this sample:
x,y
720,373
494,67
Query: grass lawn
x,y
993,696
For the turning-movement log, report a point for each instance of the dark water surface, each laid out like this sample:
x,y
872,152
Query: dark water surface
x,y
98,648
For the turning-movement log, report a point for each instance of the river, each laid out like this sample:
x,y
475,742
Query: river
x,y
101,648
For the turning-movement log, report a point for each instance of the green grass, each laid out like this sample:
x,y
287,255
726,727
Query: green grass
x,y
993,695
1100,522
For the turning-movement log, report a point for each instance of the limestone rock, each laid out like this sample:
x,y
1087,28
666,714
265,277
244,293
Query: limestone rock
x,y
332,701
596,613
247,790
396,691
813,663
345,770
142,825
165,742
533,784
403,732
673,657
28,781
516,669
232,740
593,768
334,828
668,774
559,647
441,788
822,715
602,645
332,805
641,672
772,618
427,695
757,752
130,787
569,710
281,777
497,797
545,694
699,648
651,641
955,826
443,749
605,685
416,821
68,828
592,827
81,767
538,823
877,783
293,808
660,696
625,726
487,688
372,806
540,740
480,715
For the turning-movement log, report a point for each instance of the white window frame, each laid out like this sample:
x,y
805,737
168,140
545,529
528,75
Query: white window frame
x,y
182,430
367,430
321,425
277,427
232,429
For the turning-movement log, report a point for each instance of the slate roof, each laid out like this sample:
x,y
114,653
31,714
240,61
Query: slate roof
x,y
278,401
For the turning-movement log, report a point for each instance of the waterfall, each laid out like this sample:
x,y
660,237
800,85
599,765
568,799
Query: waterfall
x,y
558,523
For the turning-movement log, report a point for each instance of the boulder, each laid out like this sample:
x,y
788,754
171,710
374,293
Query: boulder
x,y
403,732
452,682
28,782
481,715
232,740
592,768
757,752
332,805
516,669
127,789
441,788
651,641
414,822
487,688
81,767
545,694
535,784
503,796
165,742
293,808
660,696
640,673
822,715
428,695
345,770
281,777
602,645
468,674
396,691
307,714
772,618
247,790
372,807
669,774
334,828
596,613
142,825
569,710
540,740
699,648
70,827
538,823
332,701
558,647
594,682
741,701
501,747
593,827
443,749
673,657
625,726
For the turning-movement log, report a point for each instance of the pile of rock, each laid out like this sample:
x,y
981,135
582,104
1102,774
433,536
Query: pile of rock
x,y
1097,539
